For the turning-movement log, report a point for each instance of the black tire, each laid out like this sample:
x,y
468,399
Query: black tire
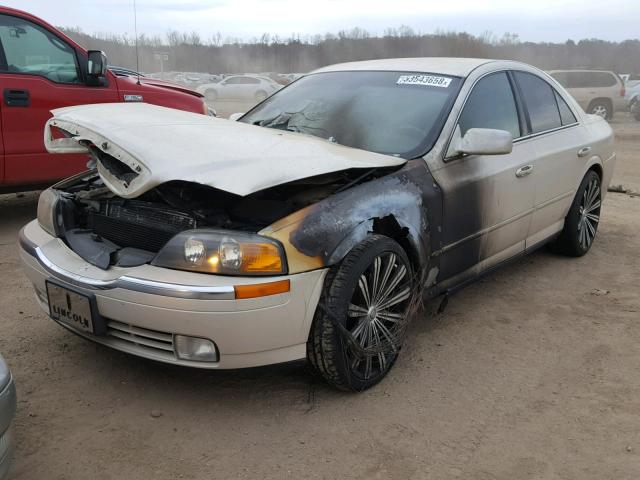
x,y
602,108
211,94
572,241
331,355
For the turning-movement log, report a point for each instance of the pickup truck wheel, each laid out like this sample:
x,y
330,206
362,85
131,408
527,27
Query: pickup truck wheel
x,y
581,224
359,324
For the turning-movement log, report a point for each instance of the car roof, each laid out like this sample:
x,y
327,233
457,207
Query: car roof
x,y
583,70
458,67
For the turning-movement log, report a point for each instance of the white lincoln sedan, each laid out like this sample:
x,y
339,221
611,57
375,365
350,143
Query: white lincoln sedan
x,y
312,226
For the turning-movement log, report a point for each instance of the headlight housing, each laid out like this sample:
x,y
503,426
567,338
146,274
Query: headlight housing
x,y
47,211
223,252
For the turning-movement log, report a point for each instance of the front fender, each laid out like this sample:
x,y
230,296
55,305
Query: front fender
x,y
394,205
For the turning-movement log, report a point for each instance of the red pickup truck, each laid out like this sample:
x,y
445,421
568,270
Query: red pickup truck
x,y
42,69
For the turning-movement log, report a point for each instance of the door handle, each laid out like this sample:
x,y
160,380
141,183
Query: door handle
x,y
524,171
583,152
16,98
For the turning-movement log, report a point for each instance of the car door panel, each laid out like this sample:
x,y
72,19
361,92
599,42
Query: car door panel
x,y
37,63
486,210
486,207
26,160
1,149
557,139
557,167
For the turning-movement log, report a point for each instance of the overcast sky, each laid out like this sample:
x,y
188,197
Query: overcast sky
x,y
536,20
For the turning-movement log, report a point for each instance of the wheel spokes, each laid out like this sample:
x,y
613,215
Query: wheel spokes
x,y
392,284
397,298
364,288
593,207
377,263
375,314
385,276
356,311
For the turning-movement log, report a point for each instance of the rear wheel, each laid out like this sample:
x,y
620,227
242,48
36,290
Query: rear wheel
x,y
360,322
602,108
581,224
261,95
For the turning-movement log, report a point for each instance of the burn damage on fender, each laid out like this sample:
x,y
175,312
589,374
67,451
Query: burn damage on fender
x,y
402,205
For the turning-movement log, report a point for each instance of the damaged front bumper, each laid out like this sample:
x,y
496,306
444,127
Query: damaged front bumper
x,y
144,310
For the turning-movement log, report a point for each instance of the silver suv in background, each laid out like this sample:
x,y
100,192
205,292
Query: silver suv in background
x,y
599,92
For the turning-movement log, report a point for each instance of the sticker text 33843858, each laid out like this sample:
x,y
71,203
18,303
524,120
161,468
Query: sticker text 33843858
x,y
425,80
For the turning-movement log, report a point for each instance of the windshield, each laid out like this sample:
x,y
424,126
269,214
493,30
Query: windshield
x,y
394,113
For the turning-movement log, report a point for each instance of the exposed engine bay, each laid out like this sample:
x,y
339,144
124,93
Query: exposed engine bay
x,y
106,230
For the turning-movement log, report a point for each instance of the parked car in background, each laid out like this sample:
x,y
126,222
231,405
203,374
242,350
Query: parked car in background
x,y
629,77
634,104
246,88
42,69
294,76
599,92
632,87
313,225
7,411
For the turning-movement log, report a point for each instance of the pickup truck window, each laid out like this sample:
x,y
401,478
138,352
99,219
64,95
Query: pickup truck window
x,y
31,49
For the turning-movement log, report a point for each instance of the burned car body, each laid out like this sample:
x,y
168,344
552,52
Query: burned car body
x,y
313,225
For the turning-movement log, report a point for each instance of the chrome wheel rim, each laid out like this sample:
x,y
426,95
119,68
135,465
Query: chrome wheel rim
x,y
589,214
600,110
376,317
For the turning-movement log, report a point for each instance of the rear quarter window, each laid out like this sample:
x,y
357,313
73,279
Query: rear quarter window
x,y
601,79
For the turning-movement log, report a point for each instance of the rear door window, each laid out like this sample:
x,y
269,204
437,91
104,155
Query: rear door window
x,y
491,104
540,101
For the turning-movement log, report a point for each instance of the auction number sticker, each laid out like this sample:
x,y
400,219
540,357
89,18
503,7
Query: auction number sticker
x,y
425,80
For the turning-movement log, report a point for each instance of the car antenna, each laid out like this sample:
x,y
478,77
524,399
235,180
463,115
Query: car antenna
x,y
135,28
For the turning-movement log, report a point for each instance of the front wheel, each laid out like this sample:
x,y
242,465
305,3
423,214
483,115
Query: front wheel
x,y
362,315
581,224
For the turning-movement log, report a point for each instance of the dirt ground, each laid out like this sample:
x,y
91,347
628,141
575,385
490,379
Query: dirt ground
x,y
529,374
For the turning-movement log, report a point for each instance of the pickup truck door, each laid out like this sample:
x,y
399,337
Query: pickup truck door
x,y
487,199
39,71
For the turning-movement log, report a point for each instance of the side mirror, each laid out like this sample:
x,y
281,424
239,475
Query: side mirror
x,y
481,141
96,64
235,116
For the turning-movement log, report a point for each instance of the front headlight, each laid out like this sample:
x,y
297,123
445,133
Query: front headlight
x,y
47,210
223,252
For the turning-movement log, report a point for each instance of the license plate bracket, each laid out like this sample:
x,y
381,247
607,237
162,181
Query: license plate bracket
x,y
74,308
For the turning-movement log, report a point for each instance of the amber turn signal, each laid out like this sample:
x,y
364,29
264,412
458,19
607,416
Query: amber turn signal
x,y
262,289
260,257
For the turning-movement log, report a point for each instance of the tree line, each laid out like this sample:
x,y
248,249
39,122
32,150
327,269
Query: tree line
x,y
188,52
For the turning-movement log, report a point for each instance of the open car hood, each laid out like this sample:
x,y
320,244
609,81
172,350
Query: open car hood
x,y
158,144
